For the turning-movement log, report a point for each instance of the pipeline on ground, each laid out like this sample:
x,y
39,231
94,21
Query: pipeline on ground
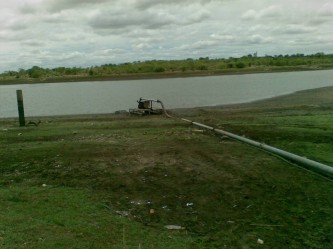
x,y
322,169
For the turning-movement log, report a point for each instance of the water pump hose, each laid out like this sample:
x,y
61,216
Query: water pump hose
x,y
322,169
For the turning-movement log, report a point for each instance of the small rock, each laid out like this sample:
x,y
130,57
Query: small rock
x,y
44,185
260,241
20,134
152,211
122,213
74,132
4,129
174,227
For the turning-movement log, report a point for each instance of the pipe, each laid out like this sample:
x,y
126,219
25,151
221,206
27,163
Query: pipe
x,y
164,110
310,164
320,168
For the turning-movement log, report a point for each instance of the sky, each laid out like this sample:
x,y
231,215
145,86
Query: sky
x,y
83,33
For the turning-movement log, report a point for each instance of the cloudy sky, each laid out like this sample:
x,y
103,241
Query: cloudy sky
x,y
52,33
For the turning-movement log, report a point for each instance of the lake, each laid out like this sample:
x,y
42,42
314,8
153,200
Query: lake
x,y
49,99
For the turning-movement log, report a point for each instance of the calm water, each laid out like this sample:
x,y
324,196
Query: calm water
x,y
110,96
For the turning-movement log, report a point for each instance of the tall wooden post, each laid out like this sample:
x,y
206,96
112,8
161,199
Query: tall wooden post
x,y
20,106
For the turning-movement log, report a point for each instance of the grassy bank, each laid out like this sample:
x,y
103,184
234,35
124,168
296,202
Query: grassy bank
x,y
116,181
167,69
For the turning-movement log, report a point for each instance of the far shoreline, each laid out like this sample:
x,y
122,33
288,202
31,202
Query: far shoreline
x,y
164,75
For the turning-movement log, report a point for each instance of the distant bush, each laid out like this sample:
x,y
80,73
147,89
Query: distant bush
x,y
159,69
240,65
35,72
202,67
222,66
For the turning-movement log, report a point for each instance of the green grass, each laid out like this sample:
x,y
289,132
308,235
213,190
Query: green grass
x,y
226,194
60,217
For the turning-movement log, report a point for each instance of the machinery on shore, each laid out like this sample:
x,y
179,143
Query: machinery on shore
x,y
147,107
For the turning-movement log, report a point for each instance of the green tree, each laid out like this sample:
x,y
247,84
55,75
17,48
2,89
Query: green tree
x,y
35,72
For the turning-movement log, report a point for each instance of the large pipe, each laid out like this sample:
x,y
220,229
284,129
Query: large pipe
x,y
310,164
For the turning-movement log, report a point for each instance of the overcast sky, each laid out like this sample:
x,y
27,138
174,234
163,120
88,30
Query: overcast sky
x,y
52,33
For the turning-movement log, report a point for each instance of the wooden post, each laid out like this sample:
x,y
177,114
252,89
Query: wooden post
x,y
20,106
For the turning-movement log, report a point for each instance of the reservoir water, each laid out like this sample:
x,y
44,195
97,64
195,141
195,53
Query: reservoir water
x,y
50,99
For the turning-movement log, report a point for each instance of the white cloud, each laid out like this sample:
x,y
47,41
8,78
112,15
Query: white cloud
x,y
201,45
113,18
223,37
32,43
297,29
60,5
269,12
250,15
55,33
326,10
146,4
258,39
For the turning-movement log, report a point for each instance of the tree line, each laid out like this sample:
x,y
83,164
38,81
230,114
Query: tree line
x,y
248,62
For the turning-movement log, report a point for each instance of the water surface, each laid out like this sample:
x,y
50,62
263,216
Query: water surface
x,y
50,99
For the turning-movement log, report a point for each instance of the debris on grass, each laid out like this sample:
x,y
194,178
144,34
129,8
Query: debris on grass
x,y
123,213
260,241
174,227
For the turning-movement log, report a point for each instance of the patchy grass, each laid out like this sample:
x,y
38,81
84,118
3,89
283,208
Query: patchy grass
x,y
60,217
115,182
